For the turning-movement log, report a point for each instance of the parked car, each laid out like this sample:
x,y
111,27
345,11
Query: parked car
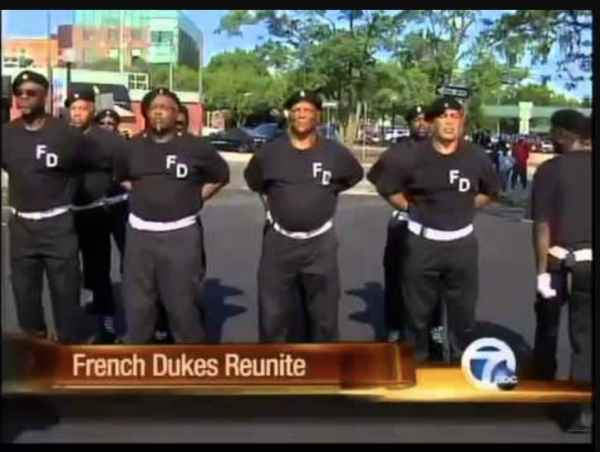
x,y
234,140
265,133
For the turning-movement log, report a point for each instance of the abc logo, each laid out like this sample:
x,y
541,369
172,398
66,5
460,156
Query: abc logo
x,y
490,364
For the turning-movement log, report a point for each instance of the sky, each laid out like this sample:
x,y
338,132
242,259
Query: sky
x,y
33,23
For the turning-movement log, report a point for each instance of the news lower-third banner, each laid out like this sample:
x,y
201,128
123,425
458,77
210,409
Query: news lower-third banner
x,y
382,372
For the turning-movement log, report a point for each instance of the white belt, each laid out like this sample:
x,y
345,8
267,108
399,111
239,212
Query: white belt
x,y
152,226
400,215
116,199
38,216
103,202
437,235
584,255
299,235
94,205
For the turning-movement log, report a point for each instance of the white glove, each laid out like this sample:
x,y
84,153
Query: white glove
x,y
544,286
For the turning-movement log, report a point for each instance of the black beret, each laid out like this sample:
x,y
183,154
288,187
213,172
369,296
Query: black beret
x,y
86,94
30,76
572,121
304,96
440,105
107,113
414,112
149,97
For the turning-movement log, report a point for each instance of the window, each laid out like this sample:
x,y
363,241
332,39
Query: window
x,y
113,34
162,37
113,53
136,53
136,34
88,34
89,56
139,81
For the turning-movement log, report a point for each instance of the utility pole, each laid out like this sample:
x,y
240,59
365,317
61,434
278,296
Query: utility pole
x,y
49,61
121,40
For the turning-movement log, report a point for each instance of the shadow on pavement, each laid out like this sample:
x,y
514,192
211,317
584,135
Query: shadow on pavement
x,y
216,308
372,295
515,341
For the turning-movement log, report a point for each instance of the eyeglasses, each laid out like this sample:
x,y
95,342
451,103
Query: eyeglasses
x,y
107,123
26,92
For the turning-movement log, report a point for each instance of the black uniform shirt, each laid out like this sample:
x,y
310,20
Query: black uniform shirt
x,y
441,188
562,197
302,185
43,165
97,184
167,177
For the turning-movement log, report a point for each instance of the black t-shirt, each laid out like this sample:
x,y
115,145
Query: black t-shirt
x,y
562,197
167,177
44,165
302,186
94,185
441,188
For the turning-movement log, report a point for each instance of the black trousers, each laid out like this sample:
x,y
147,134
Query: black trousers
x,y
165,268
393,256
519,175
395,250
118,217
441,270
288,268
48,246
548,313
94,231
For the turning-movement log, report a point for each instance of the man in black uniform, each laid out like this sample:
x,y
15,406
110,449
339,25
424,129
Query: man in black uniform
x,y
299,178
172,175
108,120
183,119
397,230
562,214
43,157
98,211
440,182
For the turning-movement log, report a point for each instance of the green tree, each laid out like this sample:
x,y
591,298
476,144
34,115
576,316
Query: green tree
x,y
332,50
240,81
537,34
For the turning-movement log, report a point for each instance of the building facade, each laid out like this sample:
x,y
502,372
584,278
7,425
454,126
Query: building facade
x,y
154,36
31,52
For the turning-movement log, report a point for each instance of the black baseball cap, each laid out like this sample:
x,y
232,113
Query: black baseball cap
x,y
572,121
414,112
148,98
30,76
304,96
85,94
440,105
108,113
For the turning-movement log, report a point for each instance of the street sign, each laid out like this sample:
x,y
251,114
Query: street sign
x,y
460,92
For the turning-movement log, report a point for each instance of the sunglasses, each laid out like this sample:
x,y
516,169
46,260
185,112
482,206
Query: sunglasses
x,y
180,123
27,92
108,123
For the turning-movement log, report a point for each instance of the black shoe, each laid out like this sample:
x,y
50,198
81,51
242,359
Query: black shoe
x,y
104,337
583,422
163,338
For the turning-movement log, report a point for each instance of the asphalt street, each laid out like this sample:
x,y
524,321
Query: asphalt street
x,y
233,226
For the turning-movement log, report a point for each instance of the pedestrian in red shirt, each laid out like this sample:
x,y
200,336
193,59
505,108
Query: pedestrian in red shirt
x,y
521,153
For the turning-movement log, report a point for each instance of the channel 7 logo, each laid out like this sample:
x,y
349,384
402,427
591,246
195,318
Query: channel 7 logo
x,y
490,364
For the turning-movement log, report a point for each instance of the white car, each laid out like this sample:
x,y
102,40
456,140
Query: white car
x,y
396,134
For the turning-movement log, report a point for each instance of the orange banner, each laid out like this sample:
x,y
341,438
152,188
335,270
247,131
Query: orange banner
x,y
45,364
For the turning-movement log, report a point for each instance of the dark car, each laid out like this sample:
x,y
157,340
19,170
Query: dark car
x,y
265,133
234,140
